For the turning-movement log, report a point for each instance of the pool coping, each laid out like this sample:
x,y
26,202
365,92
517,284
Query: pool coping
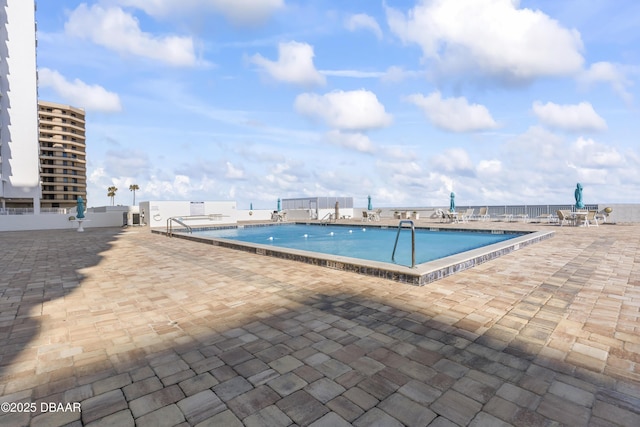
x,y
419,275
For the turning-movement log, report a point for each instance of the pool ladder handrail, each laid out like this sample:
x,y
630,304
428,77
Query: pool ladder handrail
x,y
177,219
413,241
326,219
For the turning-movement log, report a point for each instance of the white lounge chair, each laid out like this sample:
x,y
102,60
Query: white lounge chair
x,y
483,214
545,217
452,216
439,214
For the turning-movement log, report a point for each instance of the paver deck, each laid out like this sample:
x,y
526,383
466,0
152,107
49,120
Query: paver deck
x,y
140,329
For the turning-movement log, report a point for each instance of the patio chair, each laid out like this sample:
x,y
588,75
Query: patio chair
x,y
602,216
564,217
483,214
467,215
365,216
589,218
439,214
545,217
506,217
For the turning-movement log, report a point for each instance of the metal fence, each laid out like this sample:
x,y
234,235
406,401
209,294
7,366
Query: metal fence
x,y
316,203
533,211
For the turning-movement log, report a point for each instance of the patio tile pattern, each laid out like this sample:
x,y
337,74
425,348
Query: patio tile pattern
x,y
141,329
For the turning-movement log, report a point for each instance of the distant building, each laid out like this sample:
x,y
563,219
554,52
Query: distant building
x,y
62,155
19,148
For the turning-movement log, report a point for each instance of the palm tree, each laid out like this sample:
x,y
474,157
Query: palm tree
x,y
111,192
134,187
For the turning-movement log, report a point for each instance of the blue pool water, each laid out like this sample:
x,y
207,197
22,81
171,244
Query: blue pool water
x,y
370,243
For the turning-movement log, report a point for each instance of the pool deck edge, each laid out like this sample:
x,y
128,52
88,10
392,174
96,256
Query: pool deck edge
x,y
419,275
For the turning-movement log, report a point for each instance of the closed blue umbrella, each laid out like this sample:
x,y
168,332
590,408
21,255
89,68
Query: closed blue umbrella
x,y
279,204
369,206
251,206
80,208
452,203
578,195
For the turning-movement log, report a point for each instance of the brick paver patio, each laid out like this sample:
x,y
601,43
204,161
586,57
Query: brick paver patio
x,y
140,329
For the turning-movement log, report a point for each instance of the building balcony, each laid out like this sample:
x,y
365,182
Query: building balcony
x,y
44,132
52,122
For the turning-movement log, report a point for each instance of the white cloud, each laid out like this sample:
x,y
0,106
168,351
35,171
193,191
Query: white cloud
x,y
350,110
392,74
537,149
97,175
579,117
491,38
119,31
606,72
234,172
239,12
453,114
294,65
356,74
396,74
159,189
586,152
127,162
352,140
453,160
365,22
78,93
491,168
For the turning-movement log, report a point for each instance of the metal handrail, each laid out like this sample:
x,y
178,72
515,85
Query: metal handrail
x,y
413,241
179,221
329,215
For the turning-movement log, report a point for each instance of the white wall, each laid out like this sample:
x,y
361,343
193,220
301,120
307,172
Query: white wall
x,y
157,212
622,212
256,215
346,212
55,221
20,149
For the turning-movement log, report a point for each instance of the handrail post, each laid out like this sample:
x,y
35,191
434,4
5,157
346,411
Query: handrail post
x,y
170,225
413,241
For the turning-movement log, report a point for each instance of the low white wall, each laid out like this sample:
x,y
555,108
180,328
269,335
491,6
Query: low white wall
x,y
254,215
344,212
622,212
55,221
299,214
156,212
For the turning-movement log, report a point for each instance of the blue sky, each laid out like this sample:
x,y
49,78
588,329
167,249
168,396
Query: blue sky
x,y
501,101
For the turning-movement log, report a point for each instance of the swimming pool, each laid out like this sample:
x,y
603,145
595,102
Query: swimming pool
x,y
368,243
263,239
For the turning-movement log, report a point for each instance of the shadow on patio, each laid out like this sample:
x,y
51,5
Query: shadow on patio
x,y
163,331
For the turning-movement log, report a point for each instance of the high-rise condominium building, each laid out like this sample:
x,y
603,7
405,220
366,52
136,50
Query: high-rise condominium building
x,y
19,148
62,155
